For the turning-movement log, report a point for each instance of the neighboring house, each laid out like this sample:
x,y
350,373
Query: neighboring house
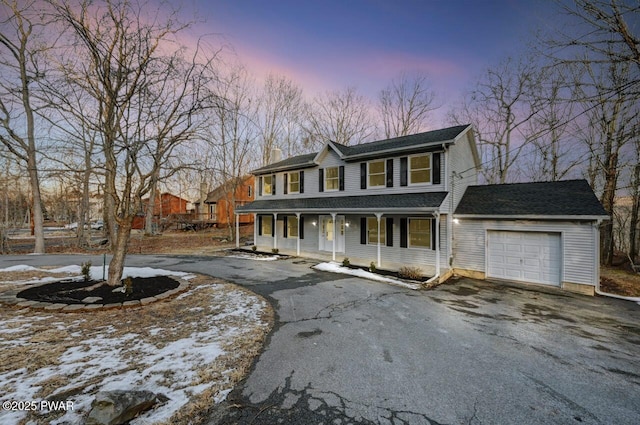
x,y
392,202
165,205
219,202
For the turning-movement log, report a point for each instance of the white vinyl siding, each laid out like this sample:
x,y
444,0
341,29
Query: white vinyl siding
x,y
578,245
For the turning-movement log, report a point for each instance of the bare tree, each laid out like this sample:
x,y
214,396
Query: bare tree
x,y
501,108
21,47
603,30
405,105
611,116
279,115
130,58
341,116
232,134
555,151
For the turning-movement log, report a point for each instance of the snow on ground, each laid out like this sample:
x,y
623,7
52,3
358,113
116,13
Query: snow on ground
x,y
166,348
337,268
249,256
95,271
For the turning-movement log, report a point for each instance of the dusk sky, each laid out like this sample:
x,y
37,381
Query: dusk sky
x,y
328,45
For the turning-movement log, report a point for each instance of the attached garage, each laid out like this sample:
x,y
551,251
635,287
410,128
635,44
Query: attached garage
x,y
524,256
542,233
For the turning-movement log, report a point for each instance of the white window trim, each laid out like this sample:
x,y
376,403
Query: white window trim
x,y
337,178
264,185
422,248
289,182
384,184
383,224
430,182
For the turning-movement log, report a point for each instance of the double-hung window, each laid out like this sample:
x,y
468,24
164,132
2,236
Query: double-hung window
x,y
419,233
292,226
294,182
420,169
267,225
377,173
331,178
372,231
267,185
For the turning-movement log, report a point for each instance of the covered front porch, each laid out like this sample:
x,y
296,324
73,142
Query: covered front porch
x,y
374,231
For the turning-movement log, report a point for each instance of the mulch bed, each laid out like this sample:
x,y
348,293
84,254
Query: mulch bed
x,y
73,292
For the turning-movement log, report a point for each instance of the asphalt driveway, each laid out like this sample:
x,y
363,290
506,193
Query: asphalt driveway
x,y
348,350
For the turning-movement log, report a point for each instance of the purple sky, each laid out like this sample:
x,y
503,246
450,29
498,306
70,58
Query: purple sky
x,y
327,45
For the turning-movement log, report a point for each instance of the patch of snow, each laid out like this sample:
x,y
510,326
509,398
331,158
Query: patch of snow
x,y
102,361
20,268
337,268
255,257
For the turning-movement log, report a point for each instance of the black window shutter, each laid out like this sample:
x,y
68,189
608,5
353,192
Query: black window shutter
x,y
301,227
389,172
363,175
433,234
260,185
321,180
363,230
403,171
389,236
259,223
273,184
273,226
436,168
286,188
301,181
403,232
286,222
341,177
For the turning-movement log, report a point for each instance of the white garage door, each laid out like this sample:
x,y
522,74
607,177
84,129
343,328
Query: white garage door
x,y
524,256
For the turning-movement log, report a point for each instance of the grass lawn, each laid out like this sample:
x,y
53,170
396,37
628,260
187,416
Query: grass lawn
x,y
192,348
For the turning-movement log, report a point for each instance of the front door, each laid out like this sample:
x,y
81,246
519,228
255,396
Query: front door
x,y
328,233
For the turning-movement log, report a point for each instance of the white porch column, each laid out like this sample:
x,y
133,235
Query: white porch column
x,y
275,231
437,215
379,263
333,217
237,230
298,241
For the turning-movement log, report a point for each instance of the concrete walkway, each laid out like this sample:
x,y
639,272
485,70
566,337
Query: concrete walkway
x,y
347,350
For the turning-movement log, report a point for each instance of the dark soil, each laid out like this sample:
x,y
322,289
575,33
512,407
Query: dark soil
x,y
73,292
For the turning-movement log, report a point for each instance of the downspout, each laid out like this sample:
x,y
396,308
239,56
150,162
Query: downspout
x,y
596,231
237,230
437,275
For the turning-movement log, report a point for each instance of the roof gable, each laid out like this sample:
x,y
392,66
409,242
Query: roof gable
x,y
561,198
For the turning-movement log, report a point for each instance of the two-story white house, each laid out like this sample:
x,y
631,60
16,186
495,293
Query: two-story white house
x,y
390,202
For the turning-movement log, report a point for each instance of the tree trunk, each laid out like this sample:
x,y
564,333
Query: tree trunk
x,y
633,221
116,266
151,206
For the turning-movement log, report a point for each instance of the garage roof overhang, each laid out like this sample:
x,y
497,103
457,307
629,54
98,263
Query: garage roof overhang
x,y
532,217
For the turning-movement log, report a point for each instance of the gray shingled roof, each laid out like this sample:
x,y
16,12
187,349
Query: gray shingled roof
x,y
434,137
429,137
416,201
562,198
300,161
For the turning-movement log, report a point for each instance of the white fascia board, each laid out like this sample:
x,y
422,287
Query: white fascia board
x,y
532,217
348,210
